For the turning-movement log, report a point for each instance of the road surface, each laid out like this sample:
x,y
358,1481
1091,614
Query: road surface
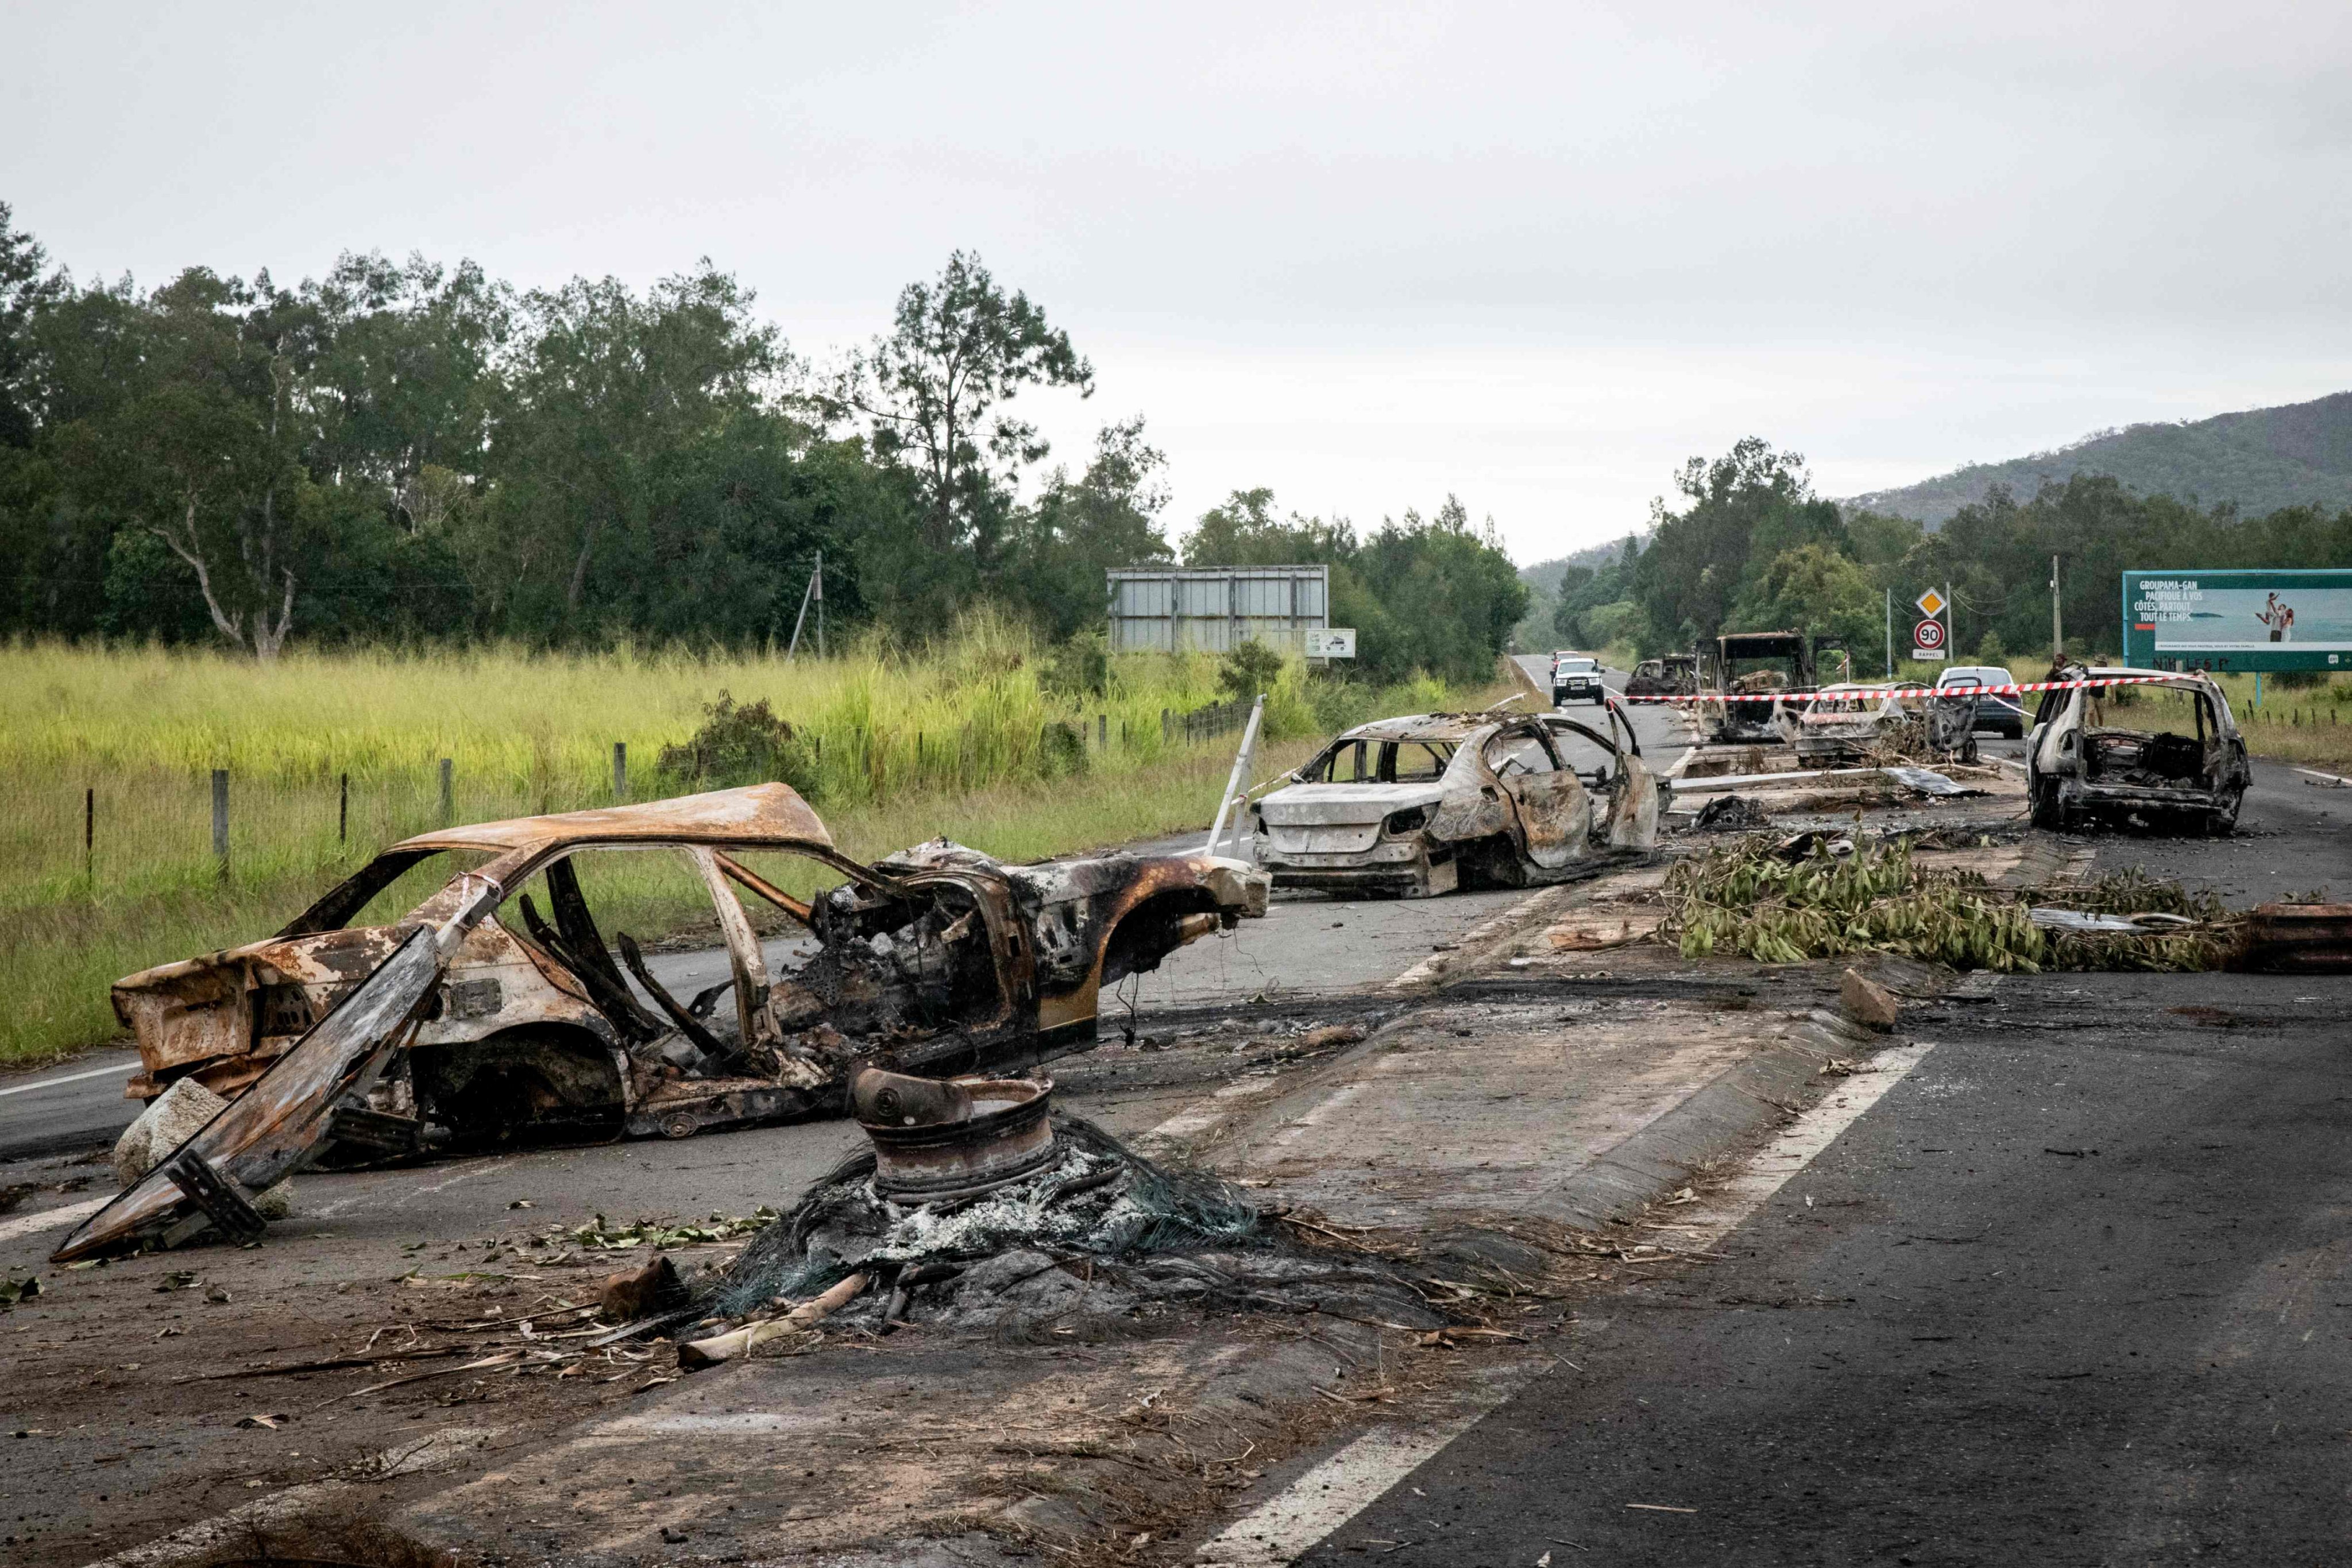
x,y
2076,1291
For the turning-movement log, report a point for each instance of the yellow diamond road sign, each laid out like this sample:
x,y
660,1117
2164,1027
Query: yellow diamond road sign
x,y
1930,602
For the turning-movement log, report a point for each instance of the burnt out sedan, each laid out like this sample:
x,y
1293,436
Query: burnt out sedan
x,y
495,1010
1410,807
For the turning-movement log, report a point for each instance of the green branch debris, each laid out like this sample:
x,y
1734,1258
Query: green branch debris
x,y
1777,905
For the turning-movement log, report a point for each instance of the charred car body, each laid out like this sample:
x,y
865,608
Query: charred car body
x,y
1423,804
2191,774
474,1018
1675,675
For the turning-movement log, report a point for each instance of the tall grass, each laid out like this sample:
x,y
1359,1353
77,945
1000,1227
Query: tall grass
x,y
957,738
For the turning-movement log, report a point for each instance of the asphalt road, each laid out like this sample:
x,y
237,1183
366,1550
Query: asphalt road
x,y
2077,1291
1306,945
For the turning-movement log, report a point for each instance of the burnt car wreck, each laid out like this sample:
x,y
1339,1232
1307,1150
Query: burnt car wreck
x,y
474,1019
2186,770
1420,806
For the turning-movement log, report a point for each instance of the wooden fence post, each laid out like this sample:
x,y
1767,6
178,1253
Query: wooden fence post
x,y
343,810
620,771
448,806
89,836
220,821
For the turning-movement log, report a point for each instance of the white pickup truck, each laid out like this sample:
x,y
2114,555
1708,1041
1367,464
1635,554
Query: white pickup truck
x,y
1576,678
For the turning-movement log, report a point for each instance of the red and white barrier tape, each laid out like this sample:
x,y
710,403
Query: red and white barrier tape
x,y
2015,688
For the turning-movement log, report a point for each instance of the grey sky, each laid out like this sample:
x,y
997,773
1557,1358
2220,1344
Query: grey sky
x,y
1534,254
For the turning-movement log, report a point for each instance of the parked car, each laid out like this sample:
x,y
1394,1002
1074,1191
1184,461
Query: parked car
x,y
1427,804
473,1018
1675,675
2000,712
2186,770
1576,678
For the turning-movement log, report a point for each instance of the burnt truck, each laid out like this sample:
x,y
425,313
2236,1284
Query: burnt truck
x,y
2157,749
1743,682
371,1026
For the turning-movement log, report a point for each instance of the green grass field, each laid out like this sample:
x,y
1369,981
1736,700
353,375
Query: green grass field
x,y
907,746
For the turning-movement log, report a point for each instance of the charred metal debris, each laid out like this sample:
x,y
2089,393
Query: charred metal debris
x,y
476,1019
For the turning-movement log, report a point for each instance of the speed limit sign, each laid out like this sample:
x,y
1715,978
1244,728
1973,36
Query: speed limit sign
x,y
1927,636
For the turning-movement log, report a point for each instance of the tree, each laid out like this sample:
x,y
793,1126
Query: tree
x,y
610,385
1745,509
1813,588
1081,529
27,286
929,392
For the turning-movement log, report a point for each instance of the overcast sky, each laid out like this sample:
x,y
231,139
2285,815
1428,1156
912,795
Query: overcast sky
x,y
1532,255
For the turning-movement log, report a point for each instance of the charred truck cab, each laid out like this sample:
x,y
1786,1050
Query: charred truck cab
x,y
2185,770
1755,666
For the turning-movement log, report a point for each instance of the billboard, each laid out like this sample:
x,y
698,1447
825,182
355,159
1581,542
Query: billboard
x,y
1171,609
2274,619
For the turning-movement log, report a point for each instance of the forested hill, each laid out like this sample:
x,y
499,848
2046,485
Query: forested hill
x,y
2261,460
1545,576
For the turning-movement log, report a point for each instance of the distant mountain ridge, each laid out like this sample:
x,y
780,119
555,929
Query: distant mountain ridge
x,y
2298,454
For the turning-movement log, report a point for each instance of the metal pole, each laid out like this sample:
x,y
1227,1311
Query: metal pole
x,y
220,821
1890,634
89,835
1951,625
801,620
1238,784
448,804
620,770
2057,630
820,604
343,810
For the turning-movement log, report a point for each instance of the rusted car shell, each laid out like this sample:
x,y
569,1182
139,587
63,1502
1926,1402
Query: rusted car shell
x,y
1042,940
1419,838
2079,766
1846,722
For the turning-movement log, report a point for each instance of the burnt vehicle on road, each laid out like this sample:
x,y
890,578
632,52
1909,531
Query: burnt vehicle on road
x,y
2178,763
369,1028
1674,675
1414,806
1745,685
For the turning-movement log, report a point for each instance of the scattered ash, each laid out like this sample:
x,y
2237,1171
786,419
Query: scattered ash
x,y
1098,1241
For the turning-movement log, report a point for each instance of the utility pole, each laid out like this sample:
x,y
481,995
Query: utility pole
x,y
2057,629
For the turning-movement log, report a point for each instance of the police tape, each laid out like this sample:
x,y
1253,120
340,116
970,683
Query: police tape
x,y
2013,689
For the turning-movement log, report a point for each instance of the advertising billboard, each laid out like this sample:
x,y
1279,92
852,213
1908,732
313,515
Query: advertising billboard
x,y
2276,619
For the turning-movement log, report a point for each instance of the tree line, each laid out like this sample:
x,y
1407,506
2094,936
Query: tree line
x,y
401,452
1753,548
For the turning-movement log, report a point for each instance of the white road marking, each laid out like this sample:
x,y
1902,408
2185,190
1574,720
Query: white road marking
x,y
49,1219
2335,780
1327,1496
121,1070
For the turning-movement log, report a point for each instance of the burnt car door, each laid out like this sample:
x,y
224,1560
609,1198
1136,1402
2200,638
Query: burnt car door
x,y
1630,791
1551,811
